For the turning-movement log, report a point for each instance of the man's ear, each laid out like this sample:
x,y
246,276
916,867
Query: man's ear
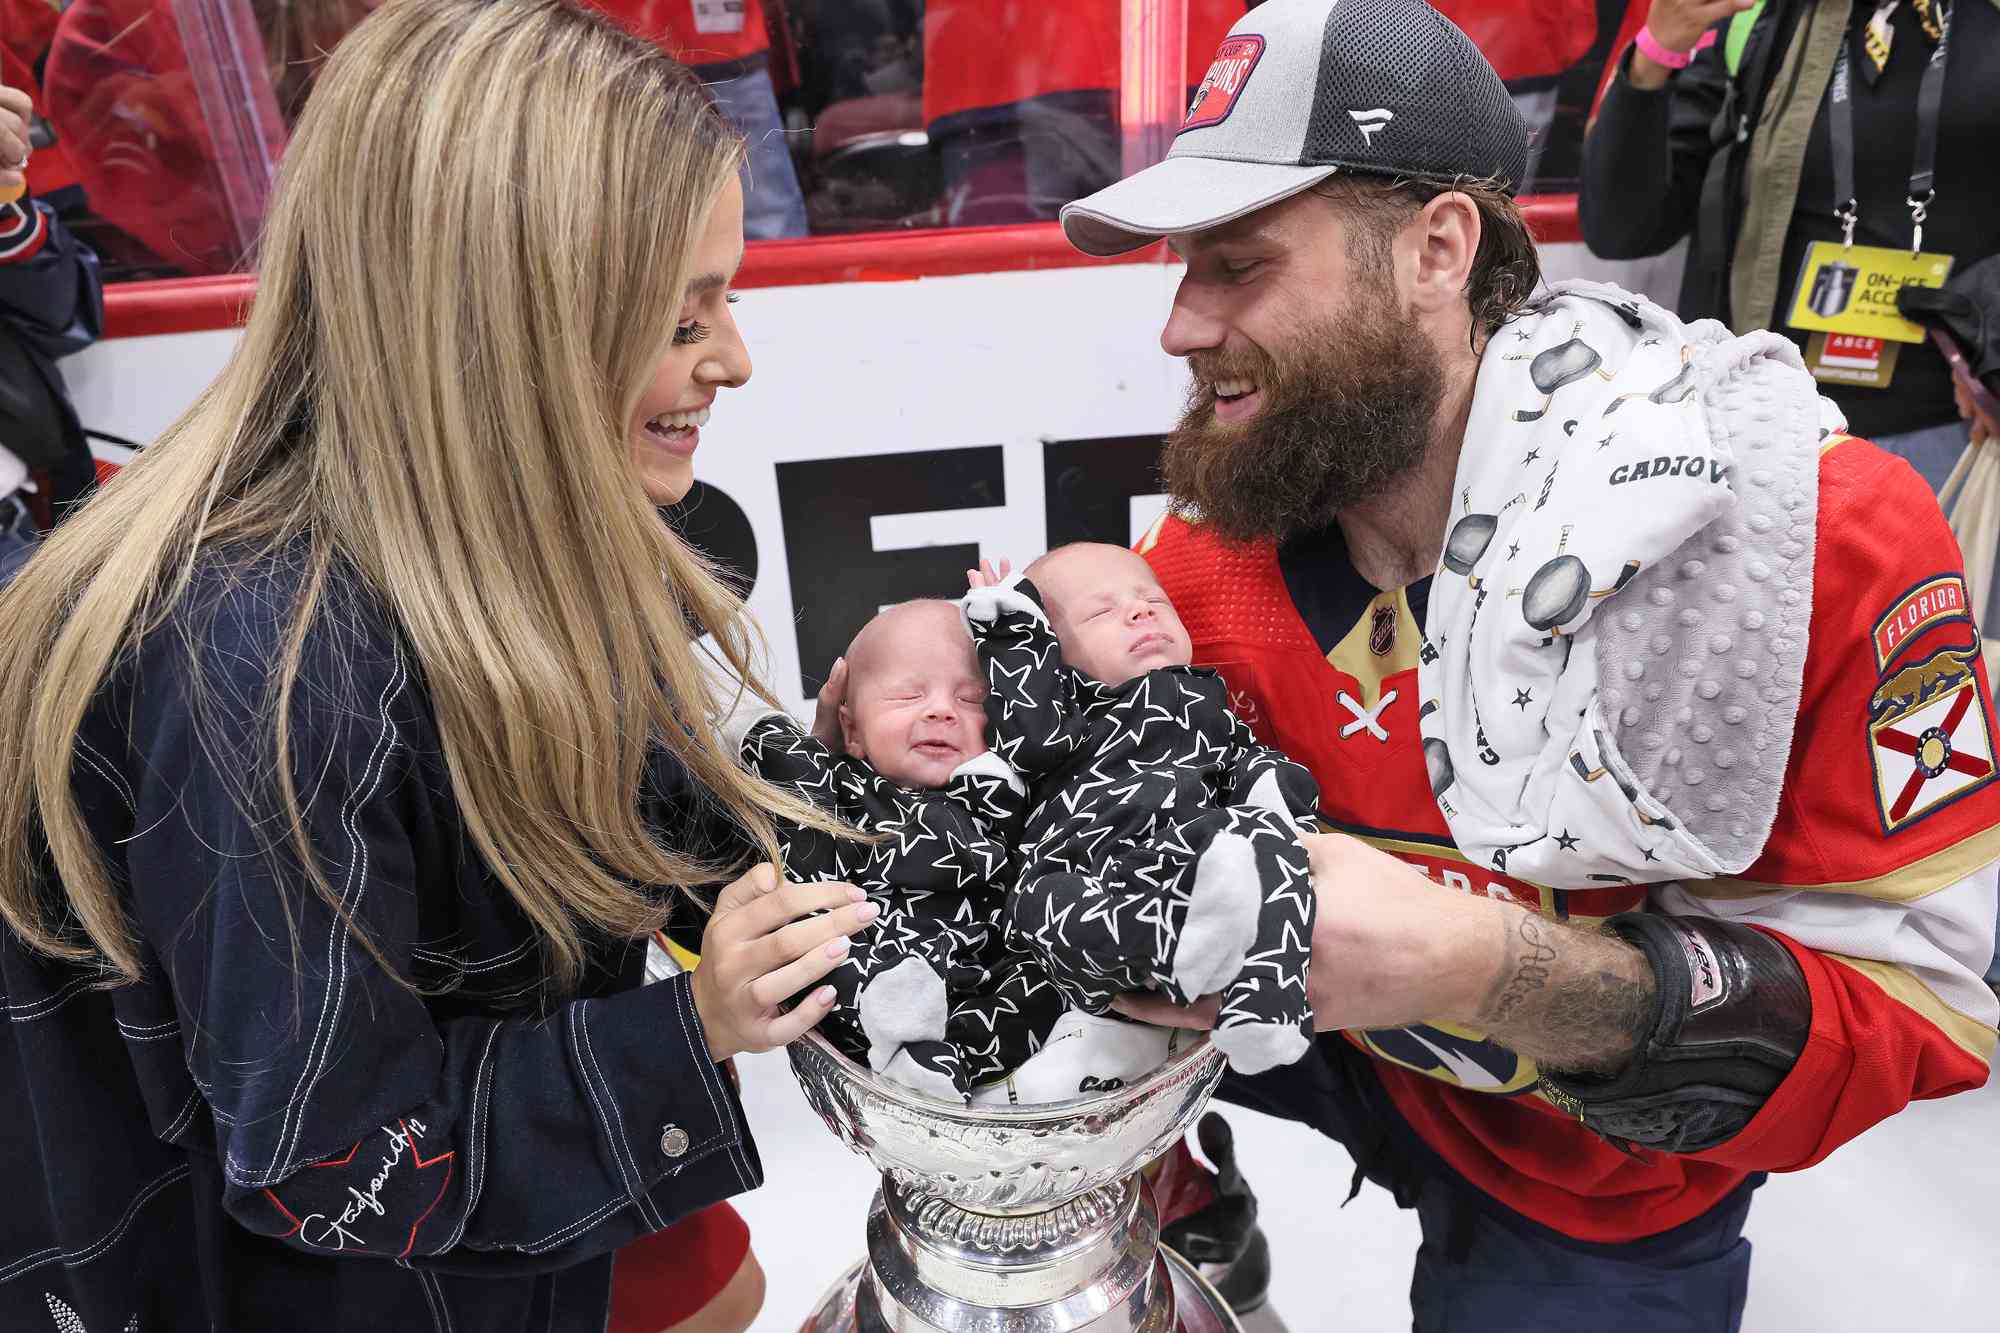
x,y
1445,237
850,735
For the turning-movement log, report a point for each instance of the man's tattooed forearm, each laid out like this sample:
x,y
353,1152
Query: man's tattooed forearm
x,y
1529,973
1570,999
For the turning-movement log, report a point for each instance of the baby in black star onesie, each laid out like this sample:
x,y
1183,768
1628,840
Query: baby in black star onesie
x,y
1161,851
926,995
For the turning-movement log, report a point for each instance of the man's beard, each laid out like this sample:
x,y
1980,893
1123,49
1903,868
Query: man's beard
x,y
1347,409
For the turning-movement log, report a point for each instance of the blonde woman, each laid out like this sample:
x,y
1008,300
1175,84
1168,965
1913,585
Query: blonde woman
x,y
367,742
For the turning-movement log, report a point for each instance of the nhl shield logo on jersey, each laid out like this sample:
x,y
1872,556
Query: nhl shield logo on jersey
x,y
1224,82
1929,737
1382,630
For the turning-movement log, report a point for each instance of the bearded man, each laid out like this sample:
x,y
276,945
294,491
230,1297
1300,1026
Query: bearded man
x,y
1644,699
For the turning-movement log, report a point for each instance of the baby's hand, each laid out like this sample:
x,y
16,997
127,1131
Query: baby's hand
x,y
986,576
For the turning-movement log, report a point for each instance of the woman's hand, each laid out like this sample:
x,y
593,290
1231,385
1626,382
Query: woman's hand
x,y
1677,25
762,946
987,576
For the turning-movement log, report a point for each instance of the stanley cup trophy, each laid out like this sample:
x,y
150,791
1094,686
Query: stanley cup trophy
x,y
1029,1218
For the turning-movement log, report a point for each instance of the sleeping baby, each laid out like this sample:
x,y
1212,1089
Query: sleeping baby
x,y
1161,849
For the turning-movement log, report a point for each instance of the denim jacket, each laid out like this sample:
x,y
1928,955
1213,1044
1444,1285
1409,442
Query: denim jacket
x,y
268,1131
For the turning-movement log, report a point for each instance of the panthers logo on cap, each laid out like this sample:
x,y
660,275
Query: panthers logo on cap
x,y
1224,82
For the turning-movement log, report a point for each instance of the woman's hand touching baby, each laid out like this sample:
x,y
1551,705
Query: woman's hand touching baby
x,y
763,945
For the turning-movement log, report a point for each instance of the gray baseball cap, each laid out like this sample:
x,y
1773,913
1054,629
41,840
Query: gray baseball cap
x,y
1301,89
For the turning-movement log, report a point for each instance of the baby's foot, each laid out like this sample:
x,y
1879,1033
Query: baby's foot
x,y
1221,920
903,1004
1253,1048
931,1067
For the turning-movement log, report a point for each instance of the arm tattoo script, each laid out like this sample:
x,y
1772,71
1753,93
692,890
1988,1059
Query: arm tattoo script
x,y
1570,999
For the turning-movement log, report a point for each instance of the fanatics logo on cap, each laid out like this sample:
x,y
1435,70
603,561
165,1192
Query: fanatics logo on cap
x,y
1216,97
1370,123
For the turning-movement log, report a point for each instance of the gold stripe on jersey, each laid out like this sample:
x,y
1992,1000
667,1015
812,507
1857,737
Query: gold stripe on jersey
x,y
1397,846
1152,534
1969,1034
1354,657
1919,879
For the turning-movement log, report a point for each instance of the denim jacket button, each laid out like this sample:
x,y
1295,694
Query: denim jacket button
x,y
673,1140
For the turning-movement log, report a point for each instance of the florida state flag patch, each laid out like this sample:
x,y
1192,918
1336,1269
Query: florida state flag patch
x,y
1929,736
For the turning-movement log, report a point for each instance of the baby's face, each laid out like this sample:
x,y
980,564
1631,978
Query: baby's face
x,y
916,700
1110,614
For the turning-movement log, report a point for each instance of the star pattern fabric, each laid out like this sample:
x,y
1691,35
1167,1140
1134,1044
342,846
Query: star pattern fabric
x,y
938,869
1162,850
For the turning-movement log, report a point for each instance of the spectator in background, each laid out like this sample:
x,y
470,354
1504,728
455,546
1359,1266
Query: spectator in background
x,y
51,304
1530,43
178,154
1021,99
1664,160
145,132
727,45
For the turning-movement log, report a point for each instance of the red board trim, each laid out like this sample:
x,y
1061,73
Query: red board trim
x,y
193,305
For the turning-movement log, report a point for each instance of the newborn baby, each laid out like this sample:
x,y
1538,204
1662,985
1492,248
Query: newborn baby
x,y
925,995
1162,849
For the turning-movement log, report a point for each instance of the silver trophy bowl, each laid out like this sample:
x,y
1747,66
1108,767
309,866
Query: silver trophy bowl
x,y
1031,1218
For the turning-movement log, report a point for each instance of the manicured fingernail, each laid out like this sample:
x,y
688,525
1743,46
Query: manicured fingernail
x,y
869,911
855,893
835,948
824,995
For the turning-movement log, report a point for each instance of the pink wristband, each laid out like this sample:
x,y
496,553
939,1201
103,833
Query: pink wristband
x,y
1649,47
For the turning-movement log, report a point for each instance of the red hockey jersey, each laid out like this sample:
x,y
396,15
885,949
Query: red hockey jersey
x,y
1878,873
980,53
695,32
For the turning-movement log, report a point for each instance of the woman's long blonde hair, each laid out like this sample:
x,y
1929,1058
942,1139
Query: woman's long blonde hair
x,y
475,256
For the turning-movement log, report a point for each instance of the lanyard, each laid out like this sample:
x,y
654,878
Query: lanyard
x,y
1923,167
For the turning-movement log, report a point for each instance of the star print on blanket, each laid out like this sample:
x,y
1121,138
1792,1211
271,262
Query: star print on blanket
x,y
1616,635
1162,851
922,990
